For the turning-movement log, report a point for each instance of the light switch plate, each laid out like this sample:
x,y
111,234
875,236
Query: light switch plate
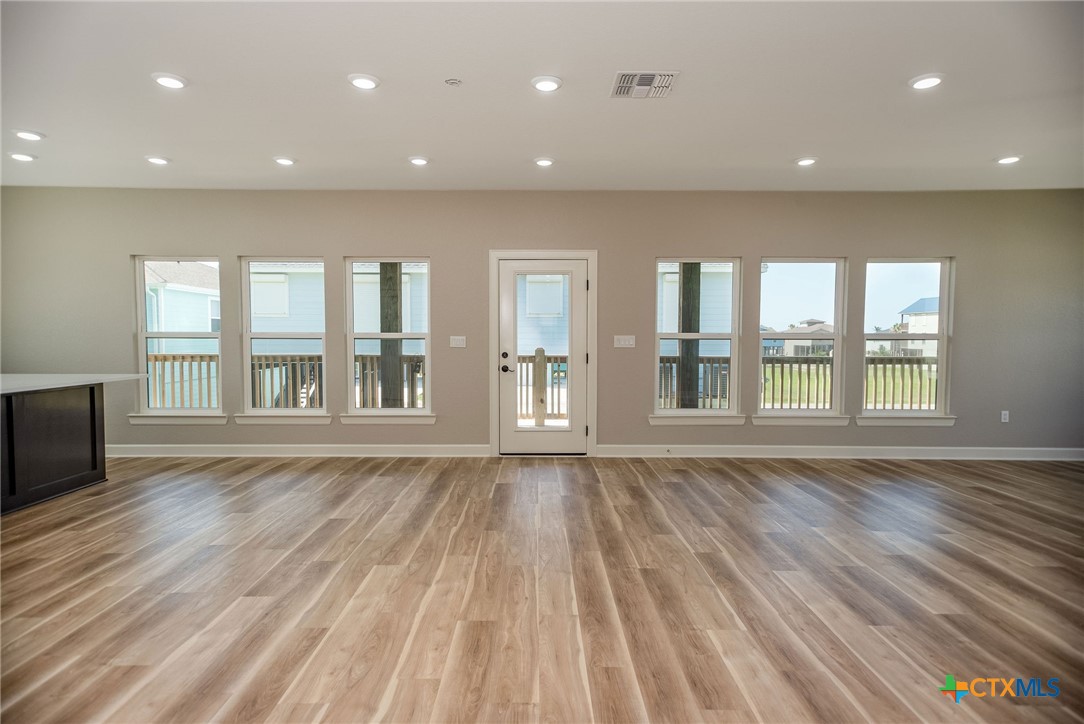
x,y
624,340
457,341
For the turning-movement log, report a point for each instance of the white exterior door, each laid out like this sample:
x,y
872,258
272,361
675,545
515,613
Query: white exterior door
x,y
543,356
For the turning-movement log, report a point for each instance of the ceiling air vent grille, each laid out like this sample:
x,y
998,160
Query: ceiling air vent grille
x,y
643,85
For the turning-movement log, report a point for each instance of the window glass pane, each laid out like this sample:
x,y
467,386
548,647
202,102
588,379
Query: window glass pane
x,y
543,329
177,295
901,374
713,285
412,295
798,297
716,297
287,373
389,373
182,373
903,297
706,361
286,296
796,374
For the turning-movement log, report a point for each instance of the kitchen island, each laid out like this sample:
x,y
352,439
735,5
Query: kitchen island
x,y
52,428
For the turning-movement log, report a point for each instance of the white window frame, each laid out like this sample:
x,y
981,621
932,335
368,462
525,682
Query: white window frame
x,y
357,414
833,415
942,337
143,335
689,416
248,335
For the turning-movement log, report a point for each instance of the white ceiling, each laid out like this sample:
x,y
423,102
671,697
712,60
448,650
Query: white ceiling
x,y
761,84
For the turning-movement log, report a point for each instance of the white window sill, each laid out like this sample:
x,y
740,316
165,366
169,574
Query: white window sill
x,y
385,418
805,420
905,420
298,418
178,418
696,419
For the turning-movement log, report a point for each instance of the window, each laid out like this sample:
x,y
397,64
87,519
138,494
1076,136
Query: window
x,y
905,335
178,339
389,335
270,293
284,334
800,331
214,313
546,295
695,322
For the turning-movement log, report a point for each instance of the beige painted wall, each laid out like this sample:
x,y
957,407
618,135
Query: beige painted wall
x,y
68,300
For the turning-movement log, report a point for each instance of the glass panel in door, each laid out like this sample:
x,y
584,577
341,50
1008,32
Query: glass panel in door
x,y
542,348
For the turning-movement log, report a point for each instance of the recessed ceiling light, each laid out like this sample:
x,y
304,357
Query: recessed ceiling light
x,y
419,160
453,81
925,82
546,83
1008,160
168,80
364,82
157,160
30,135
22,156
806,160
285,161
544,161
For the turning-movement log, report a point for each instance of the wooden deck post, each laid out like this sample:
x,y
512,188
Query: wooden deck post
x,y
539,388
391,320
689,349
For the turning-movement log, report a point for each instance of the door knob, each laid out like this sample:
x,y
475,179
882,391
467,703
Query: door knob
x,y
504,355
504,368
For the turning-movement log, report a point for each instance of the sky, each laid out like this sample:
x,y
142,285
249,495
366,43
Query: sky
x,y
791,292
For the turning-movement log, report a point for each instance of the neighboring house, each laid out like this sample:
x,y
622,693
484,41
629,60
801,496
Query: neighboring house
x,y
542,314
812,347
921,317
182,297
771,347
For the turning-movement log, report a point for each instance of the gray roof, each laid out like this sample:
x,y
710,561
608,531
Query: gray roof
x,y
187,274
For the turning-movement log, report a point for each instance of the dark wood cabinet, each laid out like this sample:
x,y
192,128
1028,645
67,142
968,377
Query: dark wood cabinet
x,y
53,443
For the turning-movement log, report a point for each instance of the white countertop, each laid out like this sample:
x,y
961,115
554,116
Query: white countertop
x,y
32,383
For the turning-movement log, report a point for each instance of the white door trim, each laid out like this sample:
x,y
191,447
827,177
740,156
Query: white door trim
x,y
495,257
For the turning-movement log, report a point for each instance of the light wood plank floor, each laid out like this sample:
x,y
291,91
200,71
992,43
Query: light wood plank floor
x,y
544,589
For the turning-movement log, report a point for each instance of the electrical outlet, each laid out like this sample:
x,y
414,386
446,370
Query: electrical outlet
x,y
1004,415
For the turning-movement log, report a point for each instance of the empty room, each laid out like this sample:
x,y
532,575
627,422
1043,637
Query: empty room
x,y
542,362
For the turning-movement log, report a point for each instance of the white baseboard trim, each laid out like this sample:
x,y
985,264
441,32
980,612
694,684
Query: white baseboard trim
x,y
610,451
320,451
841,451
